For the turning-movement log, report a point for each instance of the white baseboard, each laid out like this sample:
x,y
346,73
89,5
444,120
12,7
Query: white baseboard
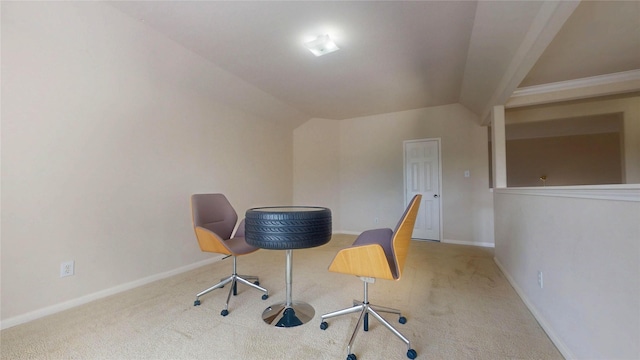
x,y
471,243
347,232
49,310
562,347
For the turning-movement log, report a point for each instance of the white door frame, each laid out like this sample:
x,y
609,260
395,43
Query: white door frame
x,y
404,176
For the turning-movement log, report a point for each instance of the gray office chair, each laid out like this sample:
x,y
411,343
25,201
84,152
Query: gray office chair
x,y
213,221
376,254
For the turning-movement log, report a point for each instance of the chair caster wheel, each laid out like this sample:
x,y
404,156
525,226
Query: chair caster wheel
x,y
324,326
411,354
224,312
402,320
256,282
196,303
352,357
265,297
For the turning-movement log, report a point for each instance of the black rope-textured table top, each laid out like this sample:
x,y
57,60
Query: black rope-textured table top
x,y
288,227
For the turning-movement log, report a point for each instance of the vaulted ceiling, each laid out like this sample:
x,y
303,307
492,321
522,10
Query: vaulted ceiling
x,y
401,55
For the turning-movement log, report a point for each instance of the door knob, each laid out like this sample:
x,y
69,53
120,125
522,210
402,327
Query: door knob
x,y
436,196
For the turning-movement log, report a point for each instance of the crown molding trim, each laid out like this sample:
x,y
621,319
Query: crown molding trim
x,y
599,80
585,88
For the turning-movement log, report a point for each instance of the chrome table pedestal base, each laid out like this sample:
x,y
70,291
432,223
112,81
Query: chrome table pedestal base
x,y
289,313
283,315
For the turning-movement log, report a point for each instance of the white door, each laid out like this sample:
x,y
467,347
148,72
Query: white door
x,y
422,176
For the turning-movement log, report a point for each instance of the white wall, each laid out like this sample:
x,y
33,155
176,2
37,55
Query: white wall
x,y
107,129
371,165
589,253
316,166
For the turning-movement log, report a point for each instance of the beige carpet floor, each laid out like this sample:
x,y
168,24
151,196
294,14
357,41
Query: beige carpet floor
x,y
457,302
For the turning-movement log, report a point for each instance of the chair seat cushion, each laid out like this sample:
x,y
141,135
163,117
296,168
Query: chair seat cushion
x,y
238,246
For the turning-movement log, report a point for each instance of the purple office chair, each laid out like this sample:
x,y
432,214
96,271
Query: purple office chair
x,y
376,254
213,221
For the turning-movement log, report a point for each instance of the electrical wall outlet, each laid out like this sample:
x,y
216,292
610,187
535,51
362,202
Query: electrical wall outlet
x,y
376,220
67,268
540,280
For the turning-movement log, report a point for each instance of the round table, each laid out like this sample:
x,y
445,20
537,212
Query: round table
x,y
288,228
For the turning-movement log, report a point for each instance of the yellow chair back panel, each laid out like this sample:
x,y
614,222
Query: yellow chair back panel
x,y
366,260
402,236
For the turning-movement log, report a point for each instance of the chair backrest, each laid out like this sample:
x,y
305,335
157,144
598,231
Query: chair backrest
x,y
213,212
403,232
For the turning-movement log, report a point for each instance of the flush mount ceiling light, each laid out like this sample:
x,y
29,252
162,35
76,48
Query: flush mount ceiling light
x,y
321,45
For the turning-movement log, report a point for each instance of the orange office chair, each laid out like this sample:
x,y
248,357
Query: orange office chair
x,y
213,221
376,254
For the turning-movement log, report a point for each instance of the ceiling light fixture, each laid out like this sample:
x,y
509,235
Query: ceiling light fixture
x,y
321,45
